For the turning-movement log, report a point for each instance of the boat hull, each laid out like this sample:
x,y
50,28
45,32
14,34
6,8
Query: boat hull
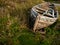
x,y
42,22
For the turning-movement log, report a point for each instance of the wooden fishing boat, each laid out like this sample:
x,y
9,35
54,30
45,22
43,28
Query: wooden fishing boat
x,y
44,15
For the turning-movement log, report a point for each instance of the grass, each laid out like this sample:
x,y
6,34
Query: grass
x,y
53,1
14,27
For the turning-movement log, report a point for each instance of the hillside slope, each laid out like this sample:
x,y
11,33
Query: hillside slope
x,y
14,25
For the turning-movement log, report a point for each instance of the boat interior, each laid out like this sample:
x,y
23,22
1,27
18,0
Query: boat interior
x,y
51,12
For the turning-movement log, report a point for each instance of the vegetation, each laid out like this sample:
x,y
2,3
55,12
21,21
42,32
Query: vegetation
x,y
55,1
14,25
